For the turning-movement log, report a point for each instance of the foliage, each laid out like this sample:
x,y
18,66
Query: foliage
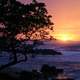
x,y
18,18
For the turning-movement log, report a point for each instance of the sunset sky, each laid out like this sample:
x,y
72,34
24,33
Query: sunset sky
x,y
66,17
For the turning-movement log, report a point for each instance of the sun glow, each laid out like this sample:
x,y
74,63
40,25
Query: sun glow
x,y
64,37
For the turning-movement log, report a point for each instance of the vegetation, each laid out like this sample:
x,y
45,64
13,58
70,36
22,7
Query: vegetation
x,y
45,73
17,18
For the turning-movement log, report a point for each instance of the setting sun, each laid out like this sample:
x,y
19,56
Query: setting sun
x,y
64,37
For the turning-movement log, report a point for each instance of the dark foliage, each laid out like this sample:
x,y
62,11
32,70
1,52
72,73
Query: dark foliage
x,y
19,18
46,73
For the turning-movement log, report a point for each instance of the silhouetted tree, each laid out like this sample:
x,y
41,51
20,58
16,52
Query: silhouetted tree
x,y
19,18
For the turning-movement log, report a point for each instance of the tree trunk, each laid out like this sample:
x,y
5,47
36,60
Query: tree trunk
x,y
9,64
13,46
14,54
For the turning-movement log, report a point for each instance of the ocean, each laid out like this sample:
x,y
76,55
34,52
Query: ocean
x,y
69,61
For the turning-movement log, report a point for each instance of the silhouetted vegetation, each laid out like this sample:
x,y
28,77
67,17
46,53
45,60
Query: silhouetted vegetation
x,y
46,73
17,18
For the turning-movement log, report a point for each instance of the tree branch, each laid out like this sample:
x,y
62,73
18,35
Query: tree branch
x,y
10,64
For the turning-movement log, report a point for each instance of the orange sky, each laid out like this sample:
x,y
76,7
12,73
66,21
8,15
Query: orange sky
x,y
66,17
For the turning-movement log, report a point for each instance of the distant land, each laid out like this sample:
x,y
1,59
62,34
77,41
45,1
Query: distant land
x,y
65,45
69,45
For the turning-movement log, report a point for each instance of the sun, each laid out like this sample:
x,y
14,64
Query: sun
x,y
64,37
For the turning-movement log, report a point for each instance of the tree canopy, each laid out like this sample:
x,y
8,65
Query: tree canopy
x,y
17,18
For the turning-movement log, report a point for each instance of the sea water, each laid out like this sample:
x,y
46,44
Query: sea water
x,y
69,61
